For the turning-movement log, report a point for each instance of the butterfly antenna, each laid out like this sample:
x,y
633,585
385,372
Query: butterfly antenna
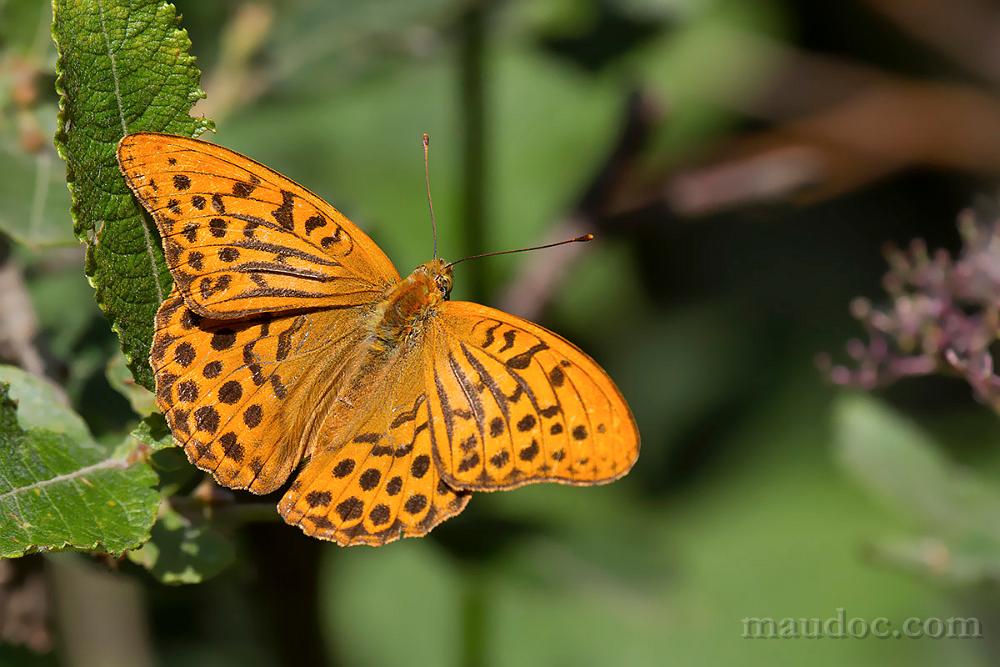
x,y
578,239
427,184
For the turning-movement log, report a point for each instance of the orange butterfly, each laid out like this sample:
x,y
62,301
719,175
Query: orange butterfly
x,y
289,338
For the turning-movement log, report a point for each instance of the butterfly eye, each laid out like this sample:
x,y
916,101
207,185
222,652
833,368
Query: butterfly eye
x,y
444,284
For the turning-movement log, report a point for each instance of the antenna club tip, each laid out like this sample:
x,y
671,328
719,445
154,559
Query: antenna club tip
x,y
585,237
426,139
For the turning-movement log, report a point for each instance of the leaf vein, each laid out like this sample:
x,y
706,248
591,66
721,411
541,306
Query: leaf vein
x,y
108,464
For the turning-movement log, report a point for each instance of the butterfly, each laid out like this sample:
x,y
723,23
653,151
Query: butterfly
x,y
290,345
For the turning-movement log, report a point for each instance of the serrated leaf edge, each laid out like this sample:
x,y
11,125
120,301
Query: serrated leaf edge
x,y
91,237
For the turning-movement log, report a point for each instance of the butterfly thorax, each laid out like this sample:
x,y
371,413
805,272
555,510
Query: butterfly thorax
x,y
400,316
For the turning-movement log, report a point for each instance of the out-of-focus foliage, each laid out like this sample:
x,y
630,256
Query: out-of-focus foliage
x,y
541,108
154,433
183,549
33,195
33,198
141,400
39,404
903,466
674,578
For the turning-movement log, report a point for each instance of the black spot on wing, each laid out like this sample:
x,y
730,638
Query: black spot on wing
x,y
489,339
283,214
523,360
241,189
509,337
314,222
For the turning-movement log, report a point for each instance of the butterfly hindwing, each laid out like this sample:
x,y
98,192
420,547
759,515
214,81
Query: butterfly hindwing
x,y
513,403
377,482
230,389
241,239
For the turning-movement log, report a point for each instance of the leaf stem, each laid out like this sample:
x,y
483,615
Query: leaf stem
x,y
227,512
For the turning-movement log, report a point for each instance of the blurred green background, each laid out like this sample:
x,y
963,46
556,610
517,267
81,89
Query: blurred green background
x,y
742,164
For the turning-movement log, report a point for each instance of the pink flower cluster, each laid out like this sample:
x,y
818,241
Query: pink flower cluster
x,y
942,317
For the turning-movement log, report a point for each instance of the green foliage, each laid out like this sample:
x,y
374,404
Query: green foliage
x,y
154,433
902,465
183,550
33,197
142,401
59,488
74,330
608,580
123,67
40,406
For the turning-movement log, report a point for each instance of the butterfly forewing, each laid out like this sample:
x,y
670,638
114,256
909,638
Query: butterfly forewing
x,y
513,403
241,239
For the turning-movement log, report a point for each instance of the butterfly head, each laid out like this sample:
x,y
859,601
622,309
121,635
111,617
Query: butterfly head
x,y
439,272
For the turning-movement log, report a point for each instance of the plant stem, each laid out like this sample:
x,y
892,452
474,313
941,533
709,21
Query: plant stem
x,y
286,589
473,99
474,610
101,616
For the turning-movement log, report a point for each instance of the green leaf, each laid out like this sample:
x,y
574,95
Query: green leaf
x,y
902,464
40,405
33,198
58,491
34,203
123,67
153,433
142,400
972,561
183,550
23,26
899,463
